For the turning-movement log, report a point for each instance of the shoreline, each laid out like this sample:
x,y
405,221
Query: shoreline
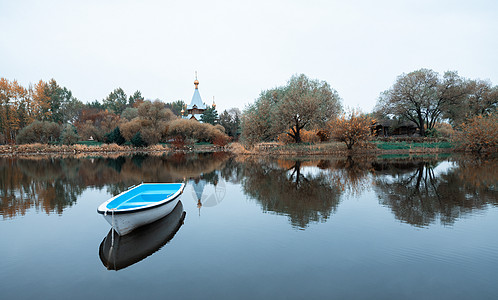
x,y
234,148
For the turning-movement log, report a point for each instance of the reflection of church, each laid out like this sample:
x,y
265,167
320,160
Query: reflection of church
x,y
198,190
196,107
206,192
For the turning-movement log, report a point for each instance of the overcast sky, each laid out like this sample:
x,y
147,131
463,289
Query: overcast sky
x,y
242,47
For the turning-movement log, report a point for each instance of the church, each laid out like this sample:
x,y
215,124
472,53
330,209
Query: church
x,y
196,107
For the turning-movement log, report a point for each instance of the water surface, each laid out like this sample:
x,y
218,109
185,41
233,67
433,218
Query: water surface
x,y
361,228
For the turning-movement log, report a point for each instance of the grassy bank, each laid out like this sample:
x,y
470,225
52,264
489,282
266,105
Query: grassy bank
x,y
96,148
331,148
304,149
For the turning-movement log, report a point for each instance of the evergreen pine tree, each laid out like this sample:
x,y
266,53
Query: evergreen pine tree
x,y
115,137
210,116
137,141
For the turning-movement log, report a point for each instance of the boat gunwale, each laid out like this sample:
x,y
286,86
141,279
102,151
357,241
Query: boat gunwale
x,y
141,208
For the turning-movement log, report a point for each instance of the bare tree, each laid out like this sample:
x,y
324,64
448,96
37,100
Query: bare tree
x,y
481,99
423,96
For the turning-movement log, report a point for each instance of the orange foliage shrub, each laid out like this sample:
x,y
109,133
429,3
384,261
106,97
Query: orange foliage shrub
x,y
307,136
323,135
221,140
178,142
351,128
479,134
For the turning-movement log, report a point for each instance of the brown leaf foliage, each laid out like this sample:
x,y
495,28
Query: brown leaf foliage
x,y
479,134
351,128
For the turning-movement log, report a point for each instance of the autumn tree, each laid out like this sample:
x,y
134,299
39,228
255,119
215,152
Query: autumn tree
x,y
95,123
302,104
55,103
352,128
8,120
151,121
41,99
16,108
479,134
23,105
422,97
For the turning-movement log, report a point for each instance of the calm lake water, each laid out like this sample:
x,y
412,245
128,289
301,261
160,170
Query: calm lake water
x,y
343,228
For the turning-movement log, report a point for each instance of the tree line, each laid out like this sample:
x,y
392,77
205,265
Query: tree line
x,y
424,98
48,113
303,110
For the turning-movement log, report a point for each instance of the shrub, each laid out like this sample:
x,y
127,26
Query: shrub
x,y
130,129
307,136
178,142
69,135
479,134
192,129
444,130
39,132
323,135
351,128
221,140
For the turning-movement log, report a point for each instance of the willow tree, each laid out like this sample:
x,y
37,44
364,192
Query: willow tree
x,y
423,96
303,103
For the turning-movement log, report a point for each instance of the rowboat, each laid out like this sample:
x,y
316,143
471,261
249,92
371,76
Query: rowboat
x,y
118,252
140,205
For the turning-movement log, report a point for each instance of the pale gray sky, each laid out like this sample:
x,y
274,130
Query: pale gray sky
x,y
242,47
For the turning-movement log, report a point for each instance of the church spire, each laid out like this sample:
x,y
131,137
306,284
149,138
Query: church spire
x,y
196,82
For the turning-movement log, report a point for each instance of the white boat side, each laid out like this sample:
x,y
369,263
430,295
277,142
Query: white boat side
x,y
126,220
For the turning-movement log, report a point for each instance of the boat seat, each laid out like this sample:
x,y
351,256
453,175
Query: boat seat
x,y
143,199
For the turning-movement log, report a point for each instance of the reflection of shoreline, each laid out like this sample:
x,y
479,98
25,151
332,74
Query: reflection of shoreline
x,y
418,192
50,185
118,252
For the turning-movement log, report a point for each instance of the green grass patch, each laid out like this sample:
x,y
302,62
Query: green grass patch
x,y
89,143
405,145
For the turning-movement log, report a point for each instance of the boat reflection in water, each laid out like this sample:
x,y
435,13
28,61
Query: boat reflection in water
x,y
118,252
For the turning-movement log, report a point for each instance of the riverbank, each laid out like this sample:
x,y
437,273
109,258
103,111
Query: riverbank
x,y
265,149
103,149
337,148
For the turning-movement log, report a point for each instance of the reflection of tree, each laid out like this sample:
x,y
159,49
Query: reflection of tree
x,y
418,196
233,171
304,198
351,175
51,184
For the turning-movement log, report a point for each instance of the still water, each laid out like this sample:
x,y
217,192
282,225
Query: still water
x,y
343,228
